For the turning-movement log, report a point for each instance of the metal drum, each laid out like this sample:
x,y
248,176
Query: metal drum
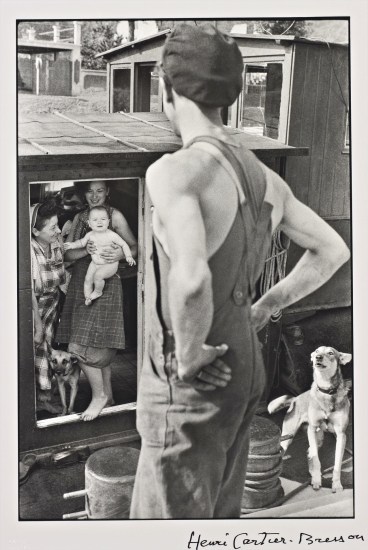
x,y
262,484
109,478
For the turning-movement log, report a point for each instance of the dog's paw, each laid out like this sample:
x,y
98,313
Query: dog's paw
x,y
337,487
316,482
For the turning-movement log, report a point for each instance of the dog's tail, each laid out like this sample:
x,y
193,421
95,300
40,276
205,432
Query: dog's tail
x,y
283,402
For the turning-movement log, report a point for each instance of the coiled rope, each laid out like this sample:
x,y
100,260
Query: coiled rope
x,y
275,267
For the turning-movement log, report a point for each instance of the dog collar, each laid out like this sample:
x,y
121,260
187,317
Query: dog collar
x,y
330,391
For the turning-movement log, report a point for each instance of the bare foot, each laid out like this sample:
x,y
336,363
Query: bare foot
x,y
94,295
110,402
94,408
88,301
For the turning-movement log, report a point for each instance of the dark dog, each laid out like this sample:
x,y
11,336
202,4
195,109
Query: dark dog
x,y
64,366
325,407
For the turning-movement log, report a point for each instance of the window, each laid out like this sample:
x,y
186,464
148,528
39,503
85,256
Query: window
x,y
261,99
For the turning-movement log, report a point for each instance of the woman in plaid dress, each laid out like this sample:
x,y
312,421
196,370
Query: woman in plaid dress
x,y
48,274
95,332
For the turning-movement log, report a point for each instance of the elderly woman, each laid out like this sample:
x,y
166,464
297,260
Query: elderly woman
x,y
95,332
48,274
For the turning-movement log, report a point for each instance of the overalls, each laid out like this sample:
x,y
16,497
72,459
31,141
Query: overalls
x,y
195,443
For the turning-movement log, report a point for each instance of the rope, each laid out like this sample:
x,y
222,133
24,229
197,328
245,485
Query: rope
x,y
275,268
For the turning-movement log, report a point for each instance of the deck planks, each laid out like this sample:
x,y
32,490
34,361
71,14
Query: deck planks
x,y
150,131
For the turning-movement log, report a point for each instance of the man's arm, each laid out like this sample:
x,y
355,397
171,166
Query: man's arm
x,y
325,253
176,202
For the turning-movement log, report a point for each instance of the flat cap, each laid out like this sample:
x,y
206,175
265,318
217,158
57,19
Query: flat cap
x,y
203,64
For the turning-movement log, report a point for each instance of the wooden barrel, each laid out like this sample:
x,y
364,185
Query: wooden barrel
x,y
262,484
109,480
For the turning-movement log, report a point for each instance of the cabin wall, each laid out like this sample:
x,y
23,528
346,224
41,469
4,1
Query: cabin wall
x,y
150,52
317,120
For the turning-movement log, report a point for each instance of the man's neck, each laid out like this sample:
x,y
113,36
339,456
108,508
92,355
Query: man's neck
x,y
193,122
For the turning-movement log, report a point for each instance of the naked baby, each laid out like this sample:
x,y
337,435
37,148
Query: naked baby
x,y
101,236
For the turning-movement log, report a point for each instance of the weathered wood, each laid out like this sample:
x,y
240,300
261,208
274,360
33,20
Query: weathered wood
x,y
105,134
147,122
316,180
117,133
334,160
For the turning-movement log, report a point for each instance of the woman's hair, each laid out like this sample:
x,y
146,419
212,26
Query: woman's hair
x,y
46,211
81,188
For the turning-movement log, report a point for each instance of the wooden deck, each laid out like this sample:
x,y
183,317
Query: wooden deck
x,y
111,133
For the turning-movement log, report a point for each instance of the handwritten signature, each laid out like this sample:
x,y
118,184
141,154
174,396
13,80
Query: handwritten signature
x,y
243,540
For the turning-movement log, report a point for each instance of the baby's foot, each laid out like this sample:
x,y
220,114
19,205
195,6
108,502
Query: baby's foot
x,y
88,301
94,296
94,408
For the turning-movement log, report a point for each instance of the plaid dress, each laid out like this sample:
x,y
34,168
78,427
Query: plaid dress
x,y
101,324
48,274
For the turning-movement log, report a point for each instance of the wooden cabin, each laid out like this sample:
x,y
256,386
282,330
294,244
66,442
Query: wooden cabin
x,y
295,91
54,151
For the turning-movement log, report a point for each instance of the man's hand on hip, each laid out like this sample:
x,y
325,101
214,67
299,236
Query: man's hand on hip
x,y
209,372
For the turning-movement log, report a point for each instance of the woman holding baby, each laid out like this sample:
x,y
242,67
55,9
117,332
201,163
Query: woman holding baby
x,y
95,332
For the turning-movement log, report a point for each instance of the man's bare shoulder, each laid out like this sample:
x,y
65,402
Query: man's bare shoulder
x,y
181,170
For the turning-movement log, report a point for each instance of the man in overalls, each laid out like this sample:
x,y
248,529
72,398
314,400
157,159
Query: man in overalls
x,y
215,208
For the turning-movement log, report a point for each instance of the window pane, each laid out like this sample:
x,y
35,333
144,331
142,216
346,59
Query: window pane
x,y
261,99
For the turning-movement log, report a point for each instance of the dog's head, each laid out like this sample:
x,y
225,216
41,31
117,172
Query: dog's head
x,y
61,362
327,359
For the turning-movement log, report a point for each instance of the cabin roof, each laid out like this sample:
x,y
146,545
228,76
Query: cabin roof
x,y
44,46
56,134
133,43
276,38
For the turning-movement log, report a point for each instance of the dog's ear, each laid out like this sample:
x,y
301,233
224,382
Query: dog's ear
x,y
344,358
49,349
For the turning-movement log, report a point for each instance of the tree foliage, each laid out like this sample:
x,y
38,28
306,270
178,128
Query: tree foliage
x,y
281,26
97,37
297,28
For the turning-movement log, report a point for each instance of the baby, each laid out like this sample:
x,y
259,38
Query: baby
x,y
101,236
